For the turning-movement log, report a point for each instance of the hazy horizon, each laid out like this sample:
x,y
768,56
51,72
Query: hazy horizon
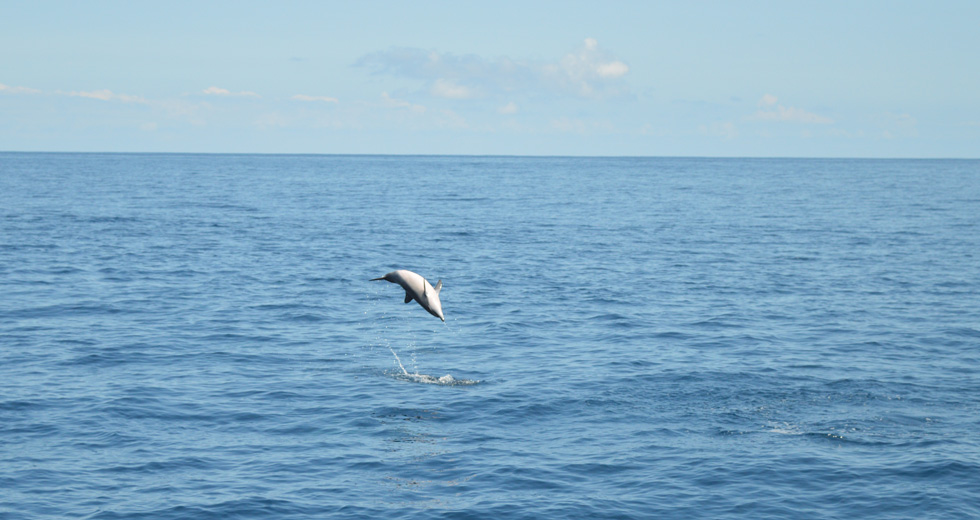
x,y
502,155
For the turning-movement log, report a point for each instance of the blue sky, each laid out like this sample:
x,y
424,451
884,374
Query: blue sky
x,y
769,79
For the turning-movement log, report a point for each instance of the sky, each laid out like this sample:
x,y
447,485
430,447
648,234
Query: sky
x,y
645,78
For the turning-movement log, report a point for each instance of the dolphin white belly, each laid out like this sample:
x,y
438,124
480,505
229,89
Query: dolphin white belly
x,y
419,289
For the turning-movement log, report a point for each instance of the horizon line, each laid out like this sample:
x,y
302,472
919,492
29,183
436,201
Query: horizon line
x,y
529,156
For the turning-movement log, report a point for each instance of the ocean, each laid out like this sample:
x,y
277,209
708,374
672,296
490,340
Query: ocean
x,y
196,336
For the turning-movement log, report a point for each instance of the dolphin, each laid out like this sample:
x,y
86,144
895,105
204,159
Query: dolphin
x,y
418,289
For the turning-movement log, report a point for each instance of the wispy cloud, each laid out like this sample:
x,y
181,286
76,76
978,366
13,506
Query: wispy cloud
x,y
771,110
325,99
218,91
391,102
586,71
768,100
410,115
447,89
613,69
108,95
509,108
7,89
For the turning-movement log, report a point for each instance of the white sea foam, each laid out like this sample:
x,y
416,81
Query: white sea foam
x,y
784,429
446,380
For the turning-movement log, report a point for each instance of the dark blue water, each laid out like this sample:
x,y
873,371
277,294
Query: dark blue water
x,y
195,336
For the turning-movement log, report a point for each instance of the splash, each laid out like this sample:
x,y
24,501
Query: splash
x,y
398,359
784,428
446,380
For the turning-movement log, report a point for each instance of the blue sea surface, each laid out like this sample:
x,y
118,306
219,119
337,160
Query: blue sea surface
x,y
195,336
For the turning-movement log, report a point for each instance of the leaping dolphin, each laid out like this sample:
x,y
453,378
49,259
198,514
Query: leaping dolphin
x,y
418,289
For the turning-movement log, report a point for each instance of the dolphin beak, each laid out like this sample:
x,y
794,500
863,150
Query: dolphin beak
x,y
373,279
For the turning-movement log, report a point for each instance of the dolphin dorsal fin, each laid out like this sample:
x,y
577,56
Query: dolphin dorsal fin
x,y
408,297
438,286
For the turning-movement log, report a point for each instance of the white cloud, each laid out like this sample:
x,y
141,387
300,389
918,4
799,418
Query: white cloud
x,y
108,95
614,69
325,99
509,108
771,111
447,89
768,100
391,102
104,95
586,71
791,114
7,89
218,91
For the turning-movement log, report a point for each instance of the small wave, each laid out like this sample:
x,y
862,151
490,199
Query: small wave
x,y
785,430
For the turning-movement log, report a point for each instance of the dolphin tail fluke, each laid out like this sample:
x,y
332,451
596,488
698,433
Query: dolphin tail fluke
x,y
438,286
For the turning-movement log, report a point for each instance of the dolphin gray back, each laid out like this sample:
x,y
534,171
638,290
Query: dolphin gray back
x,y
417,288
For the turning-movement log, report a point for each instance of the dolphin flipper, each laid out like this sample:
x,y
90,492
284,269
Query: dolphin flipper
x,y
408,297
438,287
